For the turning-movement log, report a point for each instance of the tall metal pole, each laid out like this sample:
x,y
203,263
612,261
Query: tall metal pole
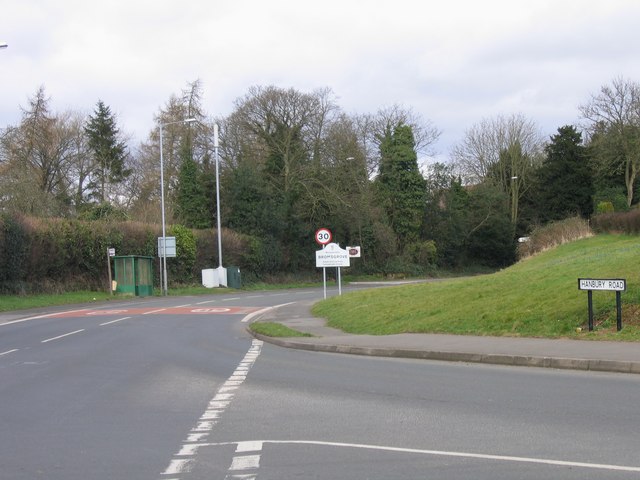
x,y
164,231
215,147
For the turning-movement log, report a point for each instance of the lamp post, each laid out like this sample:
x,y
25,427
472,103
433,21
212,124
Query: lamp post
x,y
164,284
215,149
514,199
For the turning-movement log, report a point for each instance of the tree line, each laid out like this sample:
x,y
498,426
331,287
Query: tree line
x,y
291,162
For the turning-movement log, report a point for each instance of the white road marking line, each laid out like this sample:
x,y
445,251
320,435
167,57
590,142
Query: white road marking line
x,y
189,450
264,310
9,351
249,447
42,316
210,415
205,426
62,336
223,396
178,466
227,389
232,383
196,437
444,453
154,311
208,420
246,462
183,306
114,321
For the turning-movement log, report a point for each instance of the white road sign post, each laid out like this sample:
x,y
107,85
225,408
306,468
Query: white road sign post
x,y
332,256
323,236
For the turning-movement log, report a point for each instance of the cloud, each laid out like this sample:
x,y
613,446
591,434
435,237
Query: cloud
x,y
453,62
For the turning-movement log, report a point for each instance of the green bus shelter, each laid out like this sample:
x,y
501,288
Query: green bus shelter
x,y
134,274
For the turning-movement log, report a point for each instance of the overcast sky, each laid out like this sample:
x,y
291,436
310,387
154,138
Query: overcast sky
x,y
454,62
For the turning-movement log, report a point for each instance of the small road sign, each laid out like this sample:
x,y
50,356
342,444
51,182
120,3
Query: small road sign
x,y
323,236
612,284
332,256
168,248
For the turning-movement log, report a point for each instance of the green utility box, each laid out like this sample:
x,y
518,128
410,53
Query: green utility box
x,y
134,274
233,277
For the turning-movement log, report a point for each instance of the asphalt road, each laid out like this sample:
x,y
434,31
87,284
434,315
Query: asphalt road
x,y
176,389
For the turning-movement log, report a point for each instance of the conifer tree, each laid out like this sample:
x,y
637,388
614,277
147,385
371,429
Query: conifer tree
x,y
401,185
108,150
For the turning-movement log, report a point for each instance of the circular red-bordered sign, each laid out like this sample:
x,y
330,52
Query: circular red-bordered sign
x,y
323,236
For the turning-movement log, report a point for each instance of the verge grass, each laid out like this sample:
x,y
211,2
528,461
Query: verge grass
x,y
537,297
19,302
271,329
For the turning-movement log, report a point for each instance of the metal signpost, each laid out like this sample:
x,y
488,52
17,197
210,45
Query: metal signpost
x,y
323,237
111,252
332,256
608,284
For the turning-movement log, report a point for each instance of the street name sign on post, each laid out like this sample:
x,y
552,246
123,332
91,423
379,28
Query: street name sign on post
x,y
610,284
617,285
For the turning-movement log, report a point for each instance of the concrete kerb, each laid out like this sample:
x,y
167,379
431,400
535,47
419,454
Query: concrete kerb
x,y
585,356
493,359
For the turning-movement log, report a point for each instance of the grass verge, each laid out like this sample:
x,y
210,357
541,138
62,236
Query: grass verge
x,y
271,329
537,297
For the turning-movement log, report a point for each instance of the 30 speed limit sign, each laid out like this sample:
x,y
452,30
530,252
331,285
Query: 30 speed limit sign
x,y
323,236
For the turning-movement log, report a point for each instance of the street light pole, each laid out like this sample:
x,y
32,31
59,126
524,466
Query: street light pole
x,y
514,199
215,148
164,283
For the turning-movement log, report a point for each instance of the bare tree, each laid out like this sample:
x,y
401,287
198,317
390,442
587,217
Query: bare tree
x,y
501,150
284,127
197,138
613,117
480,149
42,148
372,128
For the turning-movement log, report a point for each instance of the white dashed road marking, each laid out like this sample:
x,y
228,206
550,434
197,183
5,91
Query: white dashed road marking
x,y
184,460
114,321
62,336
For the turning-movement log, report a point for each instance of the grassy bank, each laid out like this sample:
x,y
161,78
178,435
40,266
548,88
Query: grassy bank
x,y
537,297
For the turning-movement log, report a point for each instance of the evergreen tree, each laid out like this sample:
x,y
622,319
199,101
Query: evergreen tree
x,y
490,239
401,186
192,201
108,150
446,211
564,184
